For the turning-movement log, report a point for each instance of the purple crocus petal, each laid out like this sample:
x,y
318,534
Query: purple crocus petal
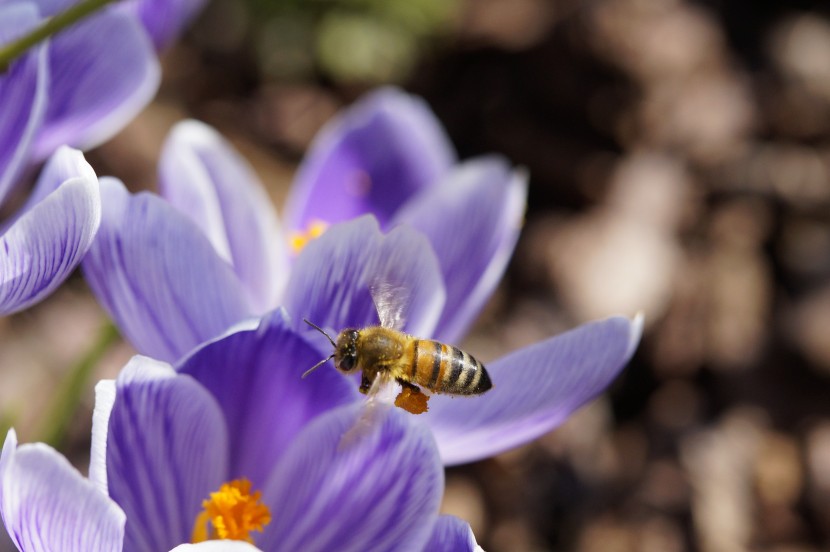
x,y
47,505
217,546
64,164
381,483
534,390
158,276
472,218
23,89
103,71
331,280
9,447
255,376
164,20
451,534
202,175
104,401
47,242
370,159
48,8
166,451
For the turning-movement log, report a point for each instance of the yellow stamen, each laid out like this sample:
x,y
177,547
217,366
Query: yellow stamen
x,y
231,513
314,230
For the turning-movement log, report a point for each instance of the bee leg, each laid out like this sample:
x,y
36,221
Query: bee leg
x,y
406,385
365,383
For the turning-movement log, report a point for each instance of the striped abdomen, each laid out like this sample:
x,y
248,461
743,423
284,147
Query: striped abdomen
x,y
446,369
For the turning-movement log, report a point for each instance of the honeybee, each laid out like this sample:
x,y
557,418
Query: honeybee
x,y
384,353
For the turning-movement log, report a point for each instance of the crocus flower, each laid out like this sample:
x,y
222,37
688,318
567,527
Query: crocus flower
x,y
47,238
172,280
79,88
232,444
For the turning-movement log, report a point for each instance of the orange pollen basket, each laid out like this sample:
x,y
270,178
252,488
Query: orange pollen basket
x,y
231,513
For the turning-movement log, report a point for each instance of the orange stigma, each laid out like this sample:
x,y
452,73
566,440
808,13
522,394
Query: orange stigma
x,y
231,513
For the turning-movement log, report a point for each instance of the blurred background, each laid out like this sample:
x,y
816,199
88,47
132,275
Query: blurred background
x,y
679,160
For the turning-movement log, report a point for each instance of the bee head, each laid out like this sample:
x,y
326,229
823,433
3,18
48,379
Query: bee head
x,y
345,351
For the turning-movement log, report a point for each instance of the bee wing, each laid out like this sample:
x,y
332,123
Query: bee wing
x,y
375,410
391,302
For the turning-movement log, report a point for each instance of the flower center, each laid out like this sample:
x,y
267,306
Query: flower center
x,y
231,513
314,229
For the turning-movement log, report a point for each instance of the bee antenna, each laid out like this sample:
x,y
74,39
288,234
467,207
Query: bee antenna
x,y
319,329
310,370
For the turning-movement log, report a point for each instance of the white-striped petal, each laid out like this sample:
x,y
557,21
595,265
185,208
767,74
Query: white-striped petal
x,y
48,506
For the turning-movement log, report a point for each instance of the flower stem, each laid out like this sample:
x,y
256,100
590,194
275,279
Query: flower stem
x,y
50,26
75,384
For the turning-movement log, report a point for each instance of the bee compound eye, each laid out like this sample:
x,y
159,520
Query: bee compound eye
x,y
347,363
